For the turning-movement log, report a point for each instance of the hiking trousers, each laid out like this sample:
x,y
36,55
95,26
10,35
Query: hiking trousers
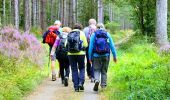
x,y
78,69
64,68
100,68
89,69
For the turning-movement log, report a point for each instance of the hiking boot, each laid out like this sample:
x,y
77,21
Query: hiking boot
x,y
77,89
66,81
96,86
54,77
81,87
62,81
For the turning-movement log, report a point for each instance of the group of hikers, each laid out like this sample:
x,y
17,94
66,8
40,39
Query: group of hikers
x,y
70,47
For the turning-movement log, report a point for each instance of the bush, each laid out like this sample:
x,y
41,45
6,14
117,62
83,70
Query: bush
x,y
21,45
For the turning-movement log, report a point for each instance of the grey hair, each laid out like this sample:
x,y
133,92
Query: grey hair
x,y
101,26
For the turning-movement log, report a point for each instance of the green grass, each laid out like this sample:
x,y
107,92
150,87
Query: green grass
x,y
142,72
18,78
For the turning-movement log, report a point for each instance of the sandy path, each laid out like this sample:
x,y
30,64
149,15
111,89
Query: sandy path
x,y
54,90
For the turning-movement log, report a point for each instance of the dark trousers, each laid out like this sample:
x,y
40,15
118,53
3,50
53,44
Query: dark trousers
x,y
78,69
90,68
64,68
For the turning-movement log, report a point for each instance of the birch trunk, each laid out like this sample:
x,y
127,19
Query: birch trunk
x,y
16,4
100,11
161,22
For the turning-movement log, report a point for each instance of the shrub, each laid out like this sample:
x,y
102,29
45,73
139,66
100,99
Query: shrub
x,y
21,45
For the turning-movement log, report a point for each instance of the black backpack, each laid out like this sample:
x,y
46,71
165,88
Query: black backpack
x,y
73,42
61,51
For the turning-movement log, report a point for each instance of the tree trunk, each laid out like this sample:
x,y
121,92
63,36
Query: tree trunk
x,y
43,15
100,11
161,22
51,13
142,27
74,11
27,14
38,12
16,4
34,12
10,12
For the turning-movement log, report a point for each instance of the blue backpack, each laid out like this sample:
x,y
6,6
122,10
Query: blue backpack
x,y
101,45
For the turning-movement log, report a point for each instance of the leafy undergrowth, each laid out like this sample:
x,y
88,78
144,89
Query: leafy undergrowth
x,y
142,72
21,63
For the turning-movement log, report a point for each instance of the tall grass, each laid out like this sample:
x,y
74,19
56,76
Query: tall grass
x,y
142,72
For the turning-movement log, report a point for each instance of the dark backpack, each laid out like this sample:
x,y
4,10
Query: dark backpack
x,y
61,51
101,45
73,42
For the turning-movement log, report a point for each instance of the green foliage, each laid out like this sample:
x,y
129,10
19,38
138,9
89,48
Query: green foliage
x,y
143,14
18,77
112,26
37,31
168,19
142,73
87,9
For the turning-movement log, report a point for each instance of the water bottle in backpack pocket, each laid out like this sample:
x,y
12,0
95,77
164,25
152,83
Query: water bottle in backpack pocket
x,y
101,44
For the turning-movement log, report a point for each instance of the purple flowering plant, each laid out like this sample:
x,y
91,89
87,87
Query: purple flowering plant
x,y
21,45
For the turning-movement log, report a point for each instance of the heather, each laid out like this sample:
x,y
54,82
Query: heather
x,y
141,73
21,63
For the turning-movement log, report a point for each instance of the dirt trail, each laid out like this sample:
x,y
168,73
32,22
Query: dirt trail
x,y
54,90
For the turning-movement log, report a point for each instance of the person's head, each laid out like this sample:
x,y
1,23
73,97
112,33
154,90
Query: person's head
x,y
78,26
66,29
100,26
92,22
57,23
93,27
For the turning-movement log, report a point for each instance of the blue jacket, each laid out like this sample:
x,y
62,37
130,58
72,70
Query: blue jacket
x,y
111,44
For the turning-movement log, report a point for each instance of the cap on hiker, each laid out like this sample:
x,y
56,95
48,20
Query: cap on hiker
x,y
57,22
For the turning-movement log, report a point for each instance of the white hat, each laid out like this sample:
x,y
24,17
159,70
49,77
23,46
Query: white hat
x,y
57,22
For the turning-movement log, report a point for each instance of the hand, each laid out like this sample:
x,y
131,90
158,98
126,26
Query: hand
x,y
115,59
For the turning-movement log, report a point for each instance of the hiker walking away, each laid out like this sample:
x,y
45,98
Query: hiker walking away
x,y
99,54
88,32
77,43
61,54
49,37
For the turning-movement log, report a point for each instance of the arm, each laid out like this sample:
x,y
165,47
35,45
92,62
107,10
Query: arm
x,y
91,46
112,46
55,46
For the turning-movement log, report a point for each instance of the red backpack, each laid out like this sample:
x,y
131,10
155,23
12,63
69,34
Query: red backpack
x,y
51,36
